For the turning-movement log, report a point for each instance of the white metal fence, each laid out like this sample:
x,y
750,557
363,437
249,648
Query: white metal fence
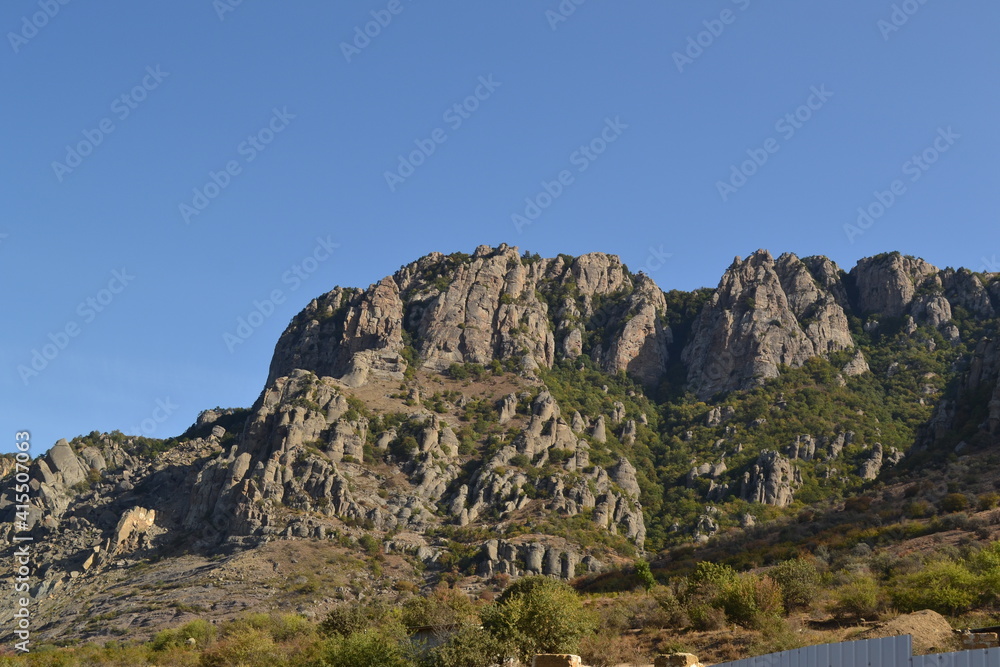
x,y
887,652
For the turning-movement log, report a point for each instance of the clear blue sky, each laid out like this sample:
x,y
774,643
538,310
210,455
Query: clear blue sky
x,y
197,87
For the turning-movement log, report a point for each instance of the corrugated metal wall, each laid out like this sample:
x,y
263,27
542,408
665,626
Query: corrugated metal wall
x,y
888,652
984,657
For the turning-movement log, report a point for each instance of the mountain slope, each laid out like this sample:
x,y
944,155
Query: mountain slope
x,y
500,414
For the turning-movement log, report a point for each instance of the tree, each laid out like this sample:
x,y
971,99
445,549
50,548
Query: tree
x,y
346,620
538,615
444,607
469,647
861,597
799,581
370,648
248,647
645,574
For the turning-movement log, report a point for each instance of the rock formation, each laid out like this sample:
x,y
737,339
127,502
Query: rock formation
x,y
762,315
474,309
771,480
886,284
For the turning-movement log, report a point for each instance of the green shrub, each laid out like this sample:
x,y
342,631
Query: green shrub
x,y
861,597
704,616
558,456
709,578
520,460
346,620
645,574
467,371
674,614
538,615
860,504
799,580
443,607
369,648
954,502
985,560
749,600
775,636
281,627
636,610
471,646
200,630
248,647
988,501
946,587
371,546
918,509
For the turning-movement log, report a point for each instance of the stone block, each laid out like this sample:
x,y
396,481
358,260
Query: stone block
x,y
556,660
978,640
677,660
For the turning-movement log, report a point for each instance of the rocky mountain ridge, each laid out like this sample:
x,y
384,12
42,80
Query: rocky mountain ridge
x,y
504,414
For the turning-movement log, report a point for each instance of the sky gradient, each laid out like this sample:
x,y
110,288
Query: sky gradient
x,y
171,168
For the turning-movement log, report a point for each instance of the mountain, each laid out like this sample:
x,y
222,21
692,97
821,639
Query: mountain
x,y
475,417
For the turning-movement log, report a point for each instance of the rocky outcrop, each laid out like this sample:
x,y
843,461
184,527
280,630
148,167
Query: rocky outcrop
x,y
346,333
818,300
293,442
981,378
500,487
856,366
508,408
63,466
931,310
63,474
771,480
871,466
599,432
628,433
711,470
762,315
878,460
706,526
718,414
965,290
623,474
803,449
522,558
886,284
640,348
475,309
132,531
8,464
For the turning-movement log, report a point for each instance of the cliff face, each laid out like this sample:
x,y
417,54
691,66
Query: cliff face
x,y
346,333
497,305
763,314
895,285
975,410
887,284
766,313
494,305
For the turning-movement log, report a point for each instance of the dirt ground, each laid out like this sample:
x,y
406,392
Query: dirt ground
x,y
930,630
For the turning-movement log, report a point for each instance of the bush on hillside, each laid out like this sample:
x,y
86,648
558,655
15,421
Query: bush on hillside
x,y
538,615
